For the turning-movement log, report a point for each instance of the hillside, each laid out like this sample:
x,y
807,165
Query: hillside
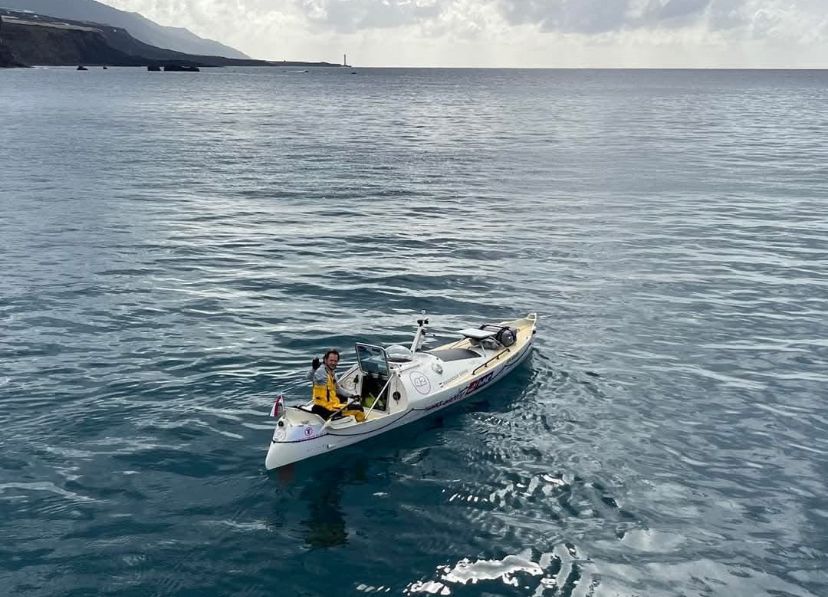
x,y
172,38
46,41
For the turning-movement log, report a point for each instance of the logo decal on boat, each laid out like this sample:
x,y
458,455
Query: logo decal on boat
x,y
479,383
421,383
466,391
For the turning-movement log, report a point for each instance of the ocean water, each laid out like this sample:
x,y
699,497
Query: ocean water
x,y
175,248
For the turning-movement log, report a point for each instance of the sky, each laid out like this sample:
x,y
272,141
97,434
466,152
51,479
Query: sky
x,y
512,33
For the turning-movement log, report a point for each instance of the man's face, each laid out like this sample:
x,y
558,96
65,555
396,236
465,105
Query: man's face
x,y
331,361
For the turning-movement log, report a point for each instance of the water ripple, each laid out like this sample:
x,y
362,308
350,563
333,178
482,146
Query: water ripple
x,y
174,252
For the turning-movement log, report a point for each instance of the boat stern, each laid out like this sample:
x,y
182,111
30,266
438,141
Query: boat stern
x,y
297,436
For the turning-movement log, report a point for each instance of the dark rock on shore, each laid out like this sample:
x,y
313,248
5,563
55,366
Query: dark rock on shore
x,y
180,68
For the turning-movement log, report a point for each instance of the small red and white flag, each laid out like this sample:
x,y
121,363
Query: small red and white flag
x,y
278,407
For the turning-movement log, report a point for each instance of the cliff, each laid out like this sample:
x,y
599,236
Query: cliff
x,y
48,41
173,38
52,44
7,59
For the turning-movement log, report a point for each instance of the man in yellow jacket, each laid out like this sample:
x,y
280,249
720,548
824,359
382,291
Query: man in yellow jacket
x,y
328,396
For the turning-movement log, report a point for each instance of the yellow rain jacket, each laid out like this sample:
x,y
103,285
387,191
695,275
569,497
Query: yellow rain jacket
x,y
324,394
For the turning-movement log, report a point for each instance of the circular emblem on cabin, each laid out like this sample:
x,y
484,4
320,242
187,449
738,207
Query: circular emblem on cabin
x,y
308,431
420,382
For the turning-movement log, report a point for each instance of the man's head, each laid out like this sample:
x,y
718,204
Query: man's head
x,y
331,359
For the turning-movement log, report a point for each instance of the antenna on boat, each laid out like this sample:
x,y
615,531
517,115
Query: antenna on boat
x,y
419,337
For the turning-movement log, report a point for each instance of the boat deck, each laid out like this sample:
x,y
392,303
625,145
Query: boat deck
x,y
454,354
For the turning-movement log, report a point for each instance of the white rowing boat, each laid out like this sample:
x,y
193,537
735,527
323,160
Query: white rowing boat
x,y
399,385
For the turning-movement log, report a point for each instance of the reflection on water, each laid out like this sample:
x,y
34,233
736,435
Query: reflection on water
x,y
325,523
322,491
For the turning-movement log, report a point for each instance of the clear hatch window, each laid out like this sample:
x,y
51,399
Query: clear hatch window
x,y
372,359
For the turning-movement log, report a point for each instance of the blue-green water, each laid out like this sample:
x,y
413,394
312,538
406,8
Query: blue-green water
x,y
176,247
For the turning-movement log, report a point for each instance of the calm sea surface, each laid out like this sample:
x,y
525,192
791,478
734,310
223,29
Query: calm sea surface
x,y
176,247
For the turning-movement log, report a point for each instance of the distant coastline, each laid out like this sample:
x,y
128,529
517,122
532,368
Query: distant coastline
x,y
27,39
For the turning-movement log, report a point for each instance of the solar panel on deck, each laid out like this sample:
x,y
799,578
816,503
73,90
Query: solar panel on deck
x,y
476,334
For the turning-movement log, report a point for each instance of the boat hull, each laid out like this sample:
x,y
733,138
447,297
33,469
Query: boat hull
x,y
320,438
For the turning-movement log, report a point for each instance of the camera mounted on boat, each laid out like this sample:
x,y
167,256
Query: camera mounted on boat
x,y
419,337
506,336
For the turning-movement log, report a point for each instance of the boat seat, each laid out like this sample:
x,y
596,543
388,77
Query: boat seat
x,y
339,422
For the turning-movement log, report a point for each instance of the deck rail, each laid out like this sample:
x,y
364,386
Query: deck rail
x,y
494,358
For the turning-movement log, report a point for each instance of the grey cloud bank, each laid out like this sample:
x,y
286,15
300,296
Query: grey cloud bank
x,y
369,14
603,16
636,33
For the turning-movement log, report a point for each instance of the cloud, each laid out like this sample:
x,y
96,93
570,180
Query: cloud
x,y
605,16
681,10
728,14
744,19
511,32
586,17
355,15
568,16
